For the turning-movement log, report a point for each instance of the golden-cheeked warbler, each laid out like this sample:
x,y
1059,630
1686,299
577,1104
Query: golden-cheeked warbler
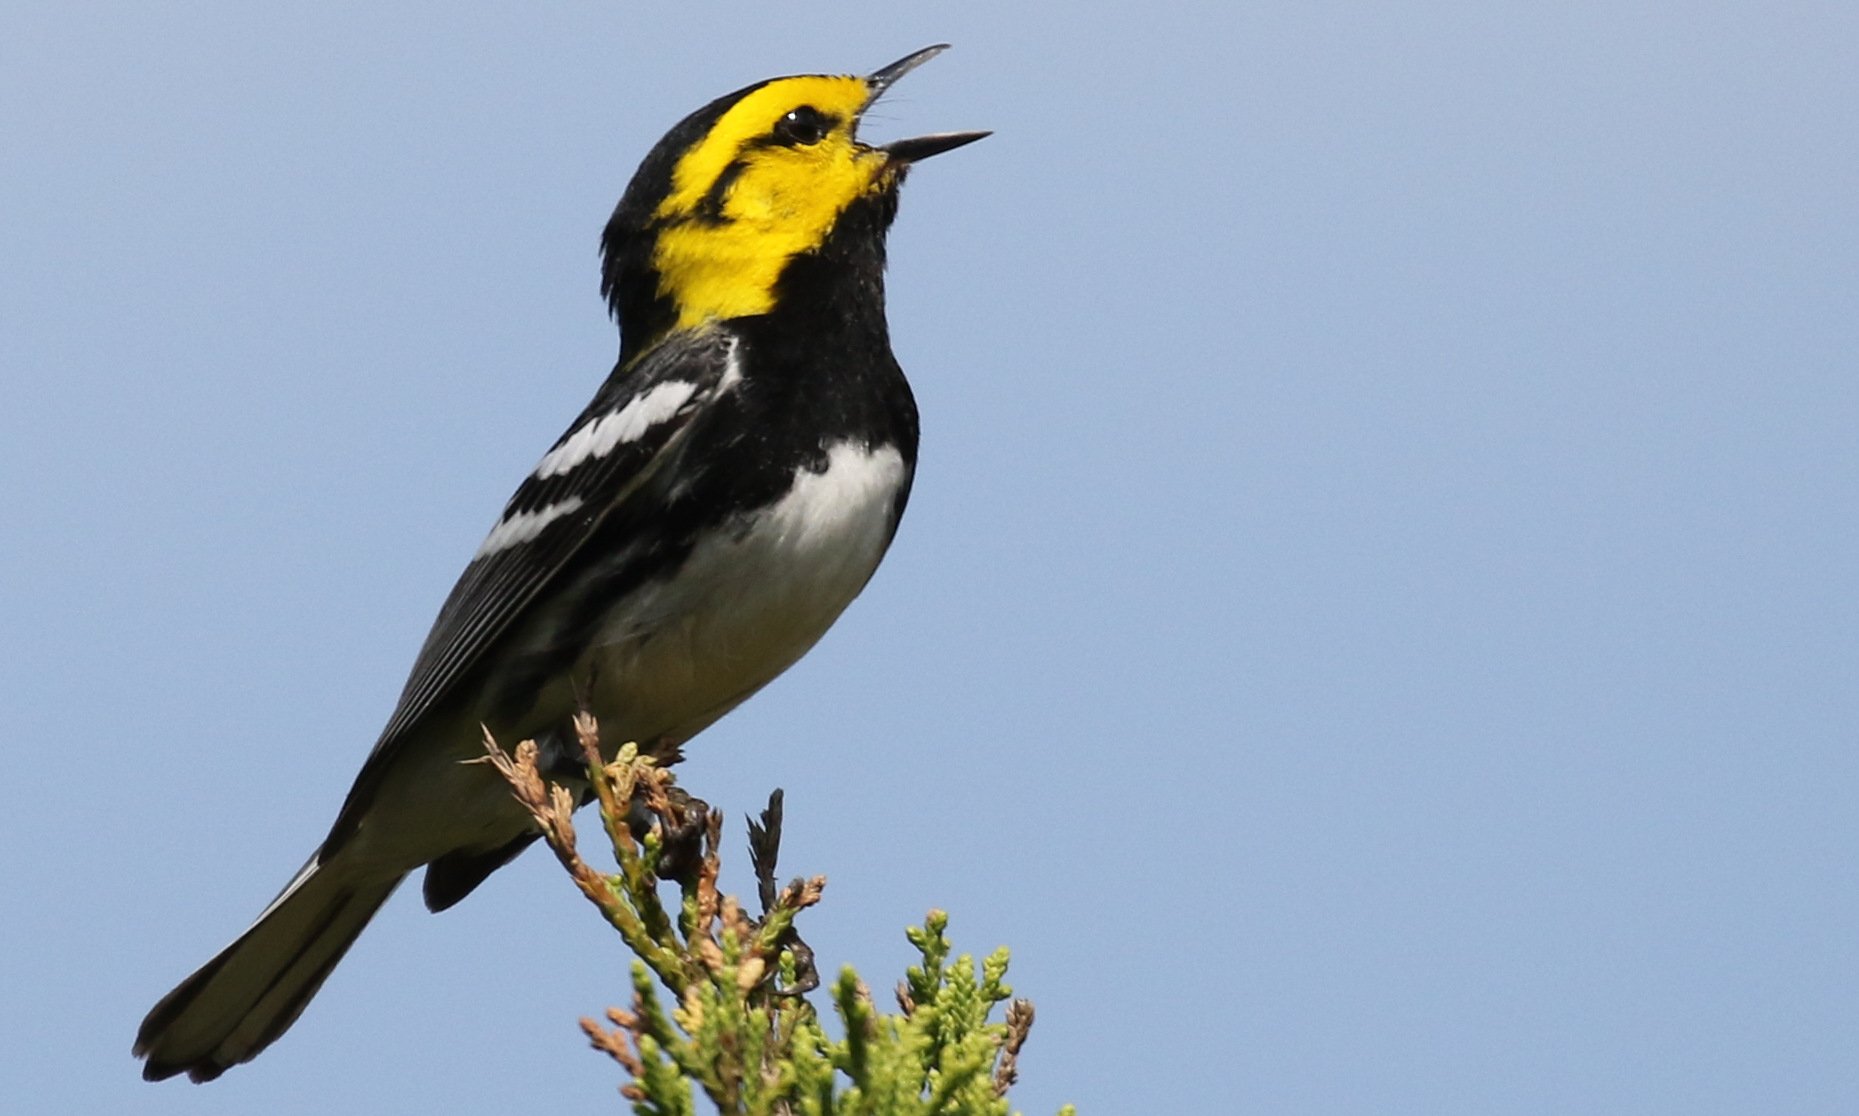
x,y
705,519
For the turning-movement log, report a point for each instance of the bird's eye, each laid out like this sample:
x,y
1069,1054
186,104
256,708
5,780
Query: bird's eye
x,y
803,127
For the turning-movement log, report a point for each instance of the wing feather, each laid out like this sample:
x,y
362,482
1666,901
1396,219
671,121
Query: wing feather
x,y
648,407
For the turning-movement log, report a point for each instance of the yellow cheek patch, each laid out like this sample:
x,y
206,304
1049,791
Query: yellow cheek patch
x,y
752,119
779,206
780,201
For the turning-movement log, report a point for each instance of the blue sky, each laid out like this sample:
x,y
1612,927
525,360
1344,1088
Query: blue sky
x,y
1375,629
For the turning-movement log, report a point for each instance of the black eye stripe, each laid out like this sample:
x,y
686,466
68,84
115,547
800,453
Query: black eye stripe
x,y
803,127
711,207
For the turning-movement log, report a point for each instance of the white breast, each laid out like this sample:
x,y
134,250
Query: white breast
x,y
749,602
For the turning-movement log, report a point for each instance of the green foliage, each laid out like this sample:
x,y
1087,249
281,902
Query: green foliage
x,y
732,1019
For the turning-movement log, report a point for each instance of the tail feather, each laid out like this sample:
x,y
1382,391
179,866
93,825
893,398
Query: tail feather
x,y
241,1001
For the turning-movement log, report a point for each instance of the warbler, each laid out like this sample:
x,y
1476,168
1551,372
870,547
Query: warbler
x,y
728,492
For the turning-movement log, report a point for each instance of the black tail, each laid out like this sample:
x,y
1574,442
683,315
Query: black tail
x,y
241,1001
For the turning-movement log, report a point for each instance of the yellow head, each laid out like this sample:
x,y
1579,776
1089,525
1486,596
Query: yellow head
x,y
742,187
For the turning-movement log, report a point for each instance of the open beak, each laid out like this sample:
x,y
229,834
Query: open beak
x,y
921,147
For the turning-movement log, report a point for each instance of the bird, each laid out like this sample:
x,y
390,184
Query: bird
x,y
729,490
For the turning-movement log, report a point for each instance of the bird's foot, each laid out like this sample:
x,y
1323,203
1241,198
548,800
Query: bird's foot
x,y
682,824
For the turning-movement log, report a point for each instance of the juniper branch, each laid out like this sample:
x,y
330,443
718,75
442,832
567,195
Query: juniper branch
x,y
740,1027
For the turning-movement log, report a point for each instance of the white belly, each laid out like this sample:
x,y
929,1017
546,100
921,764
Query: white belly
x,y
748,603
672,658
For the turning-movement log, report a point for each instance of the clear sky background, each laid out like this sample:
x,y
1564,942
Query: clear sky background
x,y
1376,629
